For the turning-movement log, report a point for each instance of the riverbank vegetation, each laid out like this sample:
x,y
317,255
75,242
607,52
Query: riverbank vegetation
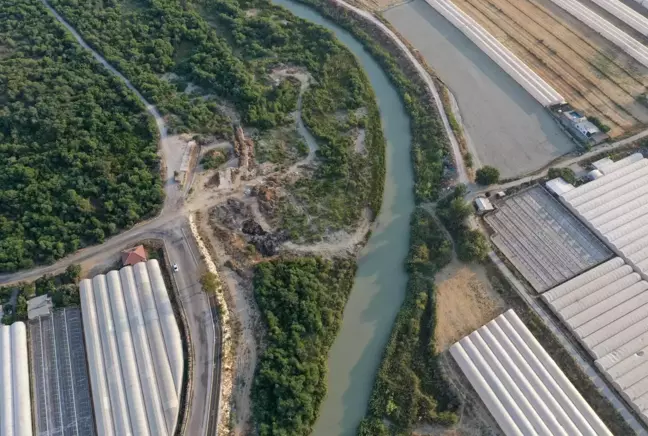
x,y
193,59
78,156
409,387
301,301
430,146
454,212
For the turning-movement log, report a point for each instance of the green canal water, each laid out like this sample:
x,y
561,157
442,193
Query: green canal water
x,y
380,282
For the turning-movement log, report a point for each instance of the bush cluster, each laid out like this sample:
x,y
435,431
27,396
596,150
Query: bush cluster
x,y
301,301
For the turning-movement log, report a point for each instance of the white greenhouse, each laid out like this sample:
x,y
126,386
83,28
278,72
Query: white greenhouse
x,y
134,351
15,403
544,93
606,29
615,208
625,14
607,310
520,384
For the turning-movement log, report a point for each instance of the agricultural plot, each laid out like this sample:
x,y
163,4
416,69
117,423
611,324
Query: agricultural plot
x,y
59,377
592,73
544,241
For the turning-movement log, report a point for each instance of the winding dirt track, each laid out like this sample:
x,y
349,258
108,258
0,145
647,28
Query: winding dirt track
x,y
589,71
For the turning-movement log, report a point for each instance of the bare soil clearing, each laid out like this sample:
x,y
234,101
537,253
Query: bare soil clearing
x,y
376,5
465,301
590,72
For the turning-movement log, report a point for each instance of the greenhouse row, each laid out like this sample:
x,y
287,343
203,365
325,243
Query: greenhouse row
x,y
520,384
134,351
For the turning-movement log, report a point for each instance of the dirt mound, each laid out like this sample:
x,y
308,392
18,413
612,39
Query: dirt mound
x,y
237,216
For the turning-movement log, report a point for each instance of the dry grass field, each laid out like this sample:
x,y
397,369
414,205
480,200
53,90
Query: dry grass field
x,y
465,301
591,73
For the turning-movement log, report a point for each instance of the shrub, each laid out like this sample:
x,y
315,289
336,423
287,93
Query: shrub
x,y
487,175
567,174
598,123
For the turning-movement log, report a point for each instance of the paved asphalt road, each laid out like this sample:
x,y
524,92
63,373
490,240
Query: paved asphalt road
x,y
183,252
172,227
174,231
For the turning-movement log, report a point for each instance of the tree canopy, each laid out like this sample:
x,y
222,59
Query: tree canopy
x,y
487,175
301,301
78,155
226,50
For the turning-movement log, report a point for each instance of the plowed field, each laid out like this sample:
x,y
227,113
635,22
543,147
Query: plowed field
x,y
591,73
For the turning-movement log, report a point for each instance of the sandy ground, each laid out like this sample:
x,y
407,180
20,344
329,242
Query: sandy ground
x,y
509,129
591,73
376,5
465,301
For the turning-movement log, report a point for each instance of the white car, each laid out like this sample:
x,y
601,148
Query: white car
x,y
175,267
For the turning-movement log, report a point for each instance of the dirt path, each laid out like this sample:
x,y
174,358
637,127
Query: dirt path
x,y
563,163
245,311
305,79
338,243
462,173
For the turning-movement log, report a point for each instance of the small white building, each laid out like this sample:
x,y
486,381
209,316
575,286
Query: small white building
x,y
483,205
559,186
602,163
39,306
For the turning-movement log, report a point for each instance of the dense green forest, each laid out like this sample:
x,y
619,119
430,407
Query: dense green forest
x,y
78,155
226,50
301,301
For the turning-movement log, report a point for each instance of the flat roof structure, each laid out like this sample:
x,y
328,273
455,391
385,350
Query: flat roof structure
x,y
39,306
615,207
15,402
59,376
134,349
607,310
558,186
483,204
543,240
520,384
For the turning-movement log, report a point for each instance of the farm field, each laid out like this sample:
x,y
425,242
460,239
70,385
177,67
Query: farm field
x,y
591,73
508,127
